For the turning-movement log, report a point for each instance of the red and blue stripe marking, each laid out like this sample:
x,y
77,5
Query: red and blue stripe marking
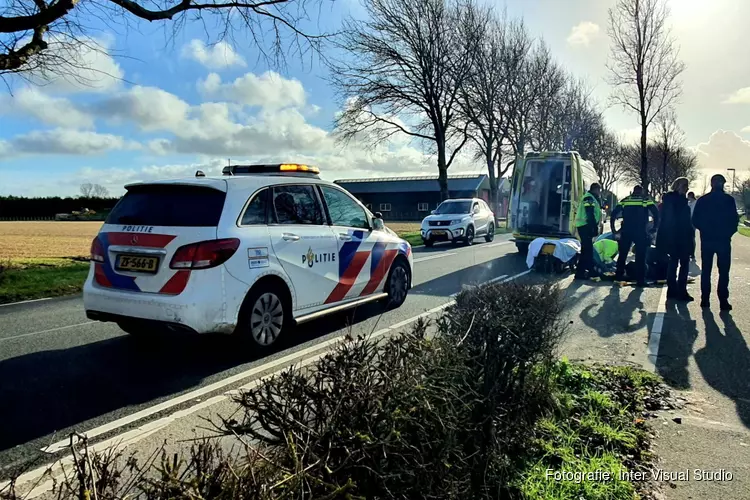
x,y
105,275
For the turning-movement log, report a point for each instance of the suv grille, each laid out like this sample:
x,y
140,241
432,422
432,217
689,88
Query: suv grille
x,y
440,223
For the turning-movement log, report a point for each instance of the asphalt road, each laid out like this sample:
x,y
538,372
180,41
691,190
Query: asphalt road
x,y
60,372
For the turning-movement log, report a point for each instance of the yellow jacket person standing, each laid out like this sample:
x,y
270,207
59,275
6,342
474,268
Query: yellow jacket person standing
x,y
587,222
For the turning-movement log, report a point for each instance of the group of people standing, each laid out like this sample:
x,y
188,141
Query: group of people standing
x,y
674,226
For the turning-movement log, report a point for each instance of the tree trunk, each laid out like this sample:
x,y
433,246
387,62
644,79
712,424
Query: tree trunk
x,y
442,171
644,154
664,172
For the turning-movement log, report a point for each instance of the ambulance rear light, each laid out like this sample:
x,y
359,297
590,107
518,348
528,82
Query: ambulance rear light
x,y
204,254
97,250
275,169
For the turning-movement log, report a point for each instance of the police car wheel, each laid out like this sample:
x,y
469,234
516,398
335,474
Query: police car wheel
x,y
266,316
490,233
397,285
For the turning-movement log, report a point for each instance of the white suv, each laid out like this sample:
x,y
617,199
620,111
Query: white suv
x,y
250,253
459,220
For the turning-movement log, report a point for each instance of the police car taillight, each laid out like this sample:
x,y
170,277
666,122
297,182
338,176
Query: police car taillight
x,y
204,254
97,251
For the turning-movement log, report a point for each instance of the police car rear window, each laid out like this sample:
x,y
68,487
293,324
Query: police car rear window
x,y
169,205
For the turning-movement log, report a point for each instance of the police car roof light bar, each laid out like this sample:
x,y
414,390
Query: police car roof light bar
x,y
274,169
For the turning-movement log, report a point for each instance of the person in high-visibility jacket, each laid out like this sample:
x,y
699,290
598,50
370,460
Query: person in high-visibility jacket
x,y
634,210
587,222
605,251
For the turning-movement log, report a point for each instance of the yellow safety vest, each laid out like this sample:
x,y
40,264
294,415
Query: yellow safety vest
x,y
588,200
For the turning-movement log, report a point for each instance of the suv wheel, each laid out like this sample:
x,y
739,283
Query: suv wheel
x,y
266,317
490,233
397,285
469,238
428,243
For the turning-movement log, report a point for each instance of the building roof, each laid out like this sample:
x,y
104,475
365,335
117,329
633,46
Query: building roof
x,y
414,184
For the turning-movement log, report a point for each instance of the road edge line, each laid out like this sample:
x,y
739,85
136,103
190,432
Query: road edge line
x,y
654,340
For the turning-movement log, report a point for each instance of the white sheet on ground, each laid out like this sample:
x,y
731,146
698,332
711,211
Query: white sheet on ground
x,y
565,249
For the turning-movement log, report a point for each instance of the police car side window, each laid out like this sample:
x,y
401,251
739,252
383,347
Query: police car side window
x,y
343,210
296,205
255,213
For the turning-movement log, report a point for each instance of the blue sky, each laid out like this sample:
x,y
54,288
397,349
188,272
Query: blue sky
x,y
157,106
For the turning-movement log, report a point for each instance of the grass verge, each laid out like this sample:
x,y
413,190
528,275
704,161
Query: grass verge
x,y
742,228
27,279
598,440
414,236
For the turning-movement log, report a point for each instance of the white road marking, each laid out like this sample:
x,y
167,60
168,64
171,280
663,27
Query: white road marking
x,y
436,256
655,338
46,331
25,302
497,244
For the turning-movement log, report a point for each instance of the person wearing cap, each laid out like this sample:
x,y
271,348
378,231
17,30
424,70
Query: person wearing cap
x,y
634,210
715,216
675,239
587,222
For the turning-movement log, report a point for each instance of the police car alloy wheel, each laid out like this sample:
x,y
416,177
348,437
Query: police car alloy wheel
x,y
490,233
398,284
266,319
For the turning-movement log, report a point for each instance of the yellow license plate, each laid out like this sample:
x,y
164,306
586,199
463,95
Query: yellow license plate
x,y
137,263
548,249
439,233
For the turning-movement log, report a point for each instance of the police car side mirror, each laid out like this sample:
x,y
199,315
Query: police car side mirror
x,y
377,224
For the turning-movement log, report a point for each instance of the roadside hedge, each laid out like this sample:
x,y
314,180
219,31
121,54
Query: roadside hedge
x,y
474,406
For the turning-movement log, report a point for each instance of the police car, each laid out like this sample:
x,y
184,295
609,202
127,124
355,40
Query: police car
x,y
251,253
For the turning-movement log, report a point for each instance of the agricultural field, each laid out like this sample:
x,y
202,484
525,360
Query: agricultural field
x,y
46,239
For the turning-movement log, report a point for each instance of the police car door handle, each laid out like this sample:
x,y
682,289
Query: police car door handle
x,y
290,237
345,236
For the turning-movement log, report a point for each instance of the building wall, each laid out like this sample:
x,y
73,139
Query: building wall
x,y
405,206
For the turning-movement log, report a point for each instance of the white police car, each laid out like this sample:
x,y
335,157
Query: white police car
x,y
250,253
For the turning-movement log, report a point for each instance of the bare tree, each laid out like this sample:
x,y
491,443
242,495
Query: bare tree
x,y
99,191
669,138
482,96
86,189
43,35
406,61
644,65
682,163
608,158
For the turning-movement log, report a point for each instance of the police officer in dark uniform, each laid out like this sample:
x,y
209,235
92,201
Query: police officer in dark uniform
x,y
634,210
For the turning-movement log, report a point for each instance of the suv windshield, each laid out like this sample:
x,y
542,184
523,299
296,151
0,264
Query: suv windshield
x,y
454,207
169,205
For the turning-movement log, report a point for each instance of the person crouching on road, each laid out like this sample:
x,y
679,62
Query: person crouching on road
x,y
587,222
605,251
716,218
634,210
675,239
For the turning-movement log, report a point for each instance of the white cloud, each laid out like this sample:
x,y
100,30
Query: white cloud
x,y
66,142
723,150
630,135
82,65
583,33
746,129
150,108
47,109
269,90
741,96
217,56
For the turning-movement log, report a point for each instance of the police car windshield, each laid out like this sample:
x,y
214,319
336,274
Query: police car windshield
x,y
169,205
454,207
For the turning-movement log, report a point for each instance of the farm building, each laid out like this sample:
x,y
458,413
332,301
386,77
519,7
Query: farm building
x,y
412,198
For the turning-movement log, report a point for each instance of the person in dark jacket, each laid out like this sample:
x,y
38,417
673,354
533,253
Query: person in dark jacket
x,y
634,210
715,216
675,239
